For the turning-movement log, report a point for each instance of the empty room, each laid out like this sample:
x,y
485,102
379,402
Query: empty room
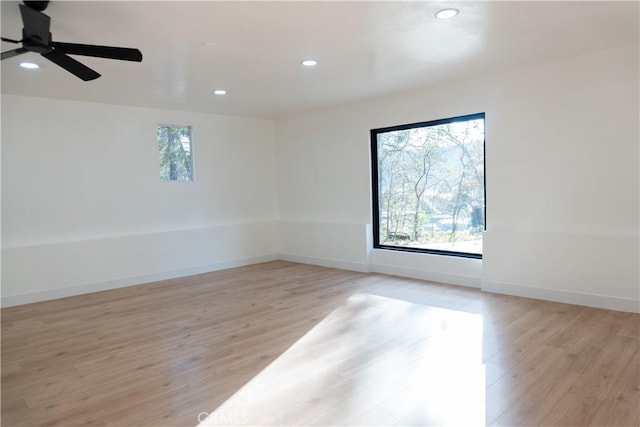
x,y
420,213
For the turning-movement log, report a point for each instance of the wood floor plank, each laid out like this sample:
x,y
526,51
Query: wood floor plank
x,y
514,384
540,398
574,410
606,368
281,343
623,403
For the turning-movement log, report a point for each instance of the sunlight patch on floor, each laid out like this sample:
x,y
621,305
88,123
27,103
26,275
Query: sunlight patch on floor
x,y
371,358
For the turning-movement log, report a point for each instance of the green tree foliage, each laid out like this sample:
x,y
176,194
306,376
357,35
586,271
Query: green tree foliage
x,y
431,184
174,146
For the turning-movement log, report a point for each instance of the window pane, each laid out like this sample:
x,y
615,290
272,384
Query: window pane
x,y
430,186
174,148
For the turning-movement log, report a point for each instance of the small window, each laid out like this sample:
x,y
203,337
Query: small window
x,y
175,153
429,186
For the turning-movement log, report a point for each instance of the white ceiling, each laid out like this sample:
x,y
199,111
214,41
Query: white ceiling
x,y
254,49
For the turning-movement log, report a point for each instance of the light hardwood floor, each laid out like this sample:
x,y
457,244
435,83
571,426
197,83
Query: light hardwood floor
x,y
288,344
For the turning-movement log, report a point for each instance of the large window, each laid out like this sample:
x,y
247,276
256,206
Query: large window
x,y
428,186
175,151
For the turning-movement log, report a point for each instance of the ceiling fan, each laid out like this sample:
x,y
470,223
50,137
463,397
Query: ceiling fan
x,y
37,38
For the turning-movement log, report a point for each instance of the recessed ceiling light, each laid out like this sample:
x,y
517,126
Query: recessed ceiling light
x,y
220,92
309,63
446,13
29,65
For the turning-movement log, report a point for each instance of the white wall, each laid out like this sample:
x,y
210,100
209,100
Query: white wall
x,y
83,207
562,181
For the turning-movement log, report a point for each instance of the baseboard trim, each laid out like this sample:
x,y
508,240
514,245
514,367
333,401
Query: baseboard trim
x,y
13,300
628,305
432,276
324,262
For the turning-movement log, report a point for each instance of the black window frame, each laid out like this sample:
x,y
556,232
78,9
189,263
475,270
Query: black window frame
x,y
375,183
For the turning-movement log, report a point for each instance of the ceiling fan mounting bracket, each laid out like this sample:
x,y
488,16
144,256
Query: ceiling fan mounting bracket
x,y
37,5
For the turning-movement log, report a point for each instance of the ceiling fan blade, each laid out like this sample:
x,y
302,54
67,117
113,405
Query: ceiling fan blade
x,y
36,24
4,39
11,53
72,66
122,53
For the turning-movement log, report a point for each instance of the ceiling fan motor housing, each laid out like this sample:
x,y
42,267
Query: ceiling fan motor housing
x,y
35,43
